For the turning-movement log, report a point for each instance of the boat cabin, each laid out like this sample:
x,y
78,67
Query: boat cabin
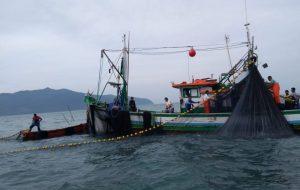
x,y
194,90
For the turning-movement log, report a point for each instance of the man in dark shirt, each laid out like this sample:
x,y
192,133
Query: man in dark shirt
x,y
189,105
132,106
35,122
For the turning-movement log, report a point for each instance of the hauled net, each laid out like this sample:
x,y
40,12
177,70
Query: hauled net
x,y
255,115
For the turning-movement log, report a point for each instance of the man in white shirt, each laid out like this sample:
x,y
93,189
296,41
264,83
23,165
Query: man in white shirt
x,y
204,101
168,106
204,97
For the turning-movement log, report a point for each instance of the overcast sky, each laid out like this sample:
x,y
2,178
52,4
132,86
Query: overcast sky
x,y
57,43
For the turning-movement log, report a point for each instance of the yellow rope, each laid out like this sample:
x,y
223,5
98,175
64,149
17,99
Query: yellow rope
x,y
76,144
7,137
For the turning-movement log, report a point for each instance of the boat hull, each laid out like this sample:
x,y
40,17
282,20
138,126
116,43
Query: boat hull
x,y
199,122
102,122
99,121
46,134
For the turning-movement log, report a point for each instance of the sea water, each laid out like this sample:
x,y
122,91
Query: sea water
x,y
186,161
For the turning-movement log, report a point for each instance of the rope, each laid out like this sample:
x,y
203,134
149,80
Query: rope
x,y
8,137
180,47
184,51
99,76
77,144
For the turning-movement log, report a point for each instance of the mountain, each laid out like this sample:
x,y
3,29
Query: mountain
x,y
48,100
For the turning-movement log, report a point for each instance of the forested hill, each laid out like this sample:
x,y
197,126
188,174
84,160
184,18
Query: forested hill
x,y
47,100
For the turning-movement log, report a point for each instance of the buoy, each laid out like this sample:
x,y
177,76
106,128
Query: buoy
x,y
192,52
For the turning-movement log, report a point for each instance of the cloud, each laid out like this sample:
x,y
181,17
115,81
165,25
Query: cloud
x,y
57,43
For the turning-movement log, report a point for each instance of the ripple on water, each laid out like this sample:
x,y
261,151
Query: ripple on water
x,y
185,161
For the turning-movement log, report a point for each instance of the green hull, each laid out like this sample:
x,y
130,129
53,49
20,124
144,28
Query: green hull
x,y
199,122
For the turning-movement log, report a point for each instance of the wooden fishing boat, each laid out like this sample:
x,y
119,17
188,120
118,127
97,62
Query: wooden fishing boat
x,y
25,135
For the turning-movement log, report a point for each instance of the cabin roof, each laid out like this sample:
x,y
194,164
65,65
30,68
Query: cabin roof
x,y
196,83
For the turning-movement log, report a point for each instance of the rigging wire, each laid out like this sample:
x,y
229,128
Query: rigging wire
x,y
104,87
200,47
184,51
246,11
188,66
99,76
189,46
117,65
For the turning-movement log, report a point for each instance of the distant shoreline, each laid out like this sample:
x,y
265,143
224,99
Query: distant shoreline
x,y
49,100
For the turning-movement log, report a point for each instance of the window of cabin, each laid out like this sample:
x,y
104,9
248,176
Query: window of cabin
x,y
193,92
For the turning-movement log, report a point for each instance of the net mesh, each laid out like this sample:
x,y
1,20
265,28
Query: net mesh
x,y
255,115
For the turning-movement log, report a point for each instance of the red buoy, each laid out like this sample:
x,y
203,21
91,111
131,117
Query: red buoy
x,y
192,52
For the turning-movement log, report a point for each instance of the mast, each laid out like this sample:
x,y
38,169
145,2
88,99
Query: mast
x,y
229,57
125,75
247,24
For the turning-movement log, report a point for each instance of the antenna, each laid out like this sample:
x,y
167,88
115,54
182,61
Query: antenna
x,y
188,67
246,12
246,25
227,48
128,46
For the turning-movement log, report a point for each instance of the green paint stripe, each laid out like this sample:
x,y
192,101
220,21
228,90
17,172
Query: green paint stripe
x,y
185,115
193,129
291,112
158,114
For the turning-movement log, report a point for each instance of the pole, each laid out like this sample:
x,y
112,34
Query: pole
x,y
113,65
247,26
229,57
189,68
227,41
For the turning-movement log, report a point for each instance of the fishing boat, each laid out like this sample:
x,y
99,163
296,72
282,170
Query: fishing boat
x,y
115,118
27,135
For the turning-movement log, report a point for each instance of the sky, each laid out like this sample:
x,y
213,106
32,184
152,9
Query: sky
x,y
57,43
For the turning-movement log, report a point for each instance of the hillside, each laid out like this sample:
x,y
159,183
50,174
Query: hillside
x,y
47,100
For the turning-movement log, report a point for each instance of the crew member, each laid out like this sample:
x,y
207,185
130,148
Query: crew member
x,y
35,122
275,89
289,101
296,97
168,106
182,104
114,106
132,106
205,101
189,105
271,80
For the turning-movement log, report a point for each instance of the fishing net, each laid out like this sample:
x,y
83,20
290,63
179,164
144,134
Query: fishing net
x,y
255,115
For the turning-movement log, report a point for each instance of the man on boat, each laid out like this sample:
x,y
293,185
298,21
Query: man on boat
x,y
168,106
189,105
114,104
35,122
132,106
205,101
289,101
275,89
296,97
271,81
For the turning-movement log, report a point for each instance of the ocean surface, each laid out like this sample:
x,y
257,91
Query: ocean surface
x,y
186,161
